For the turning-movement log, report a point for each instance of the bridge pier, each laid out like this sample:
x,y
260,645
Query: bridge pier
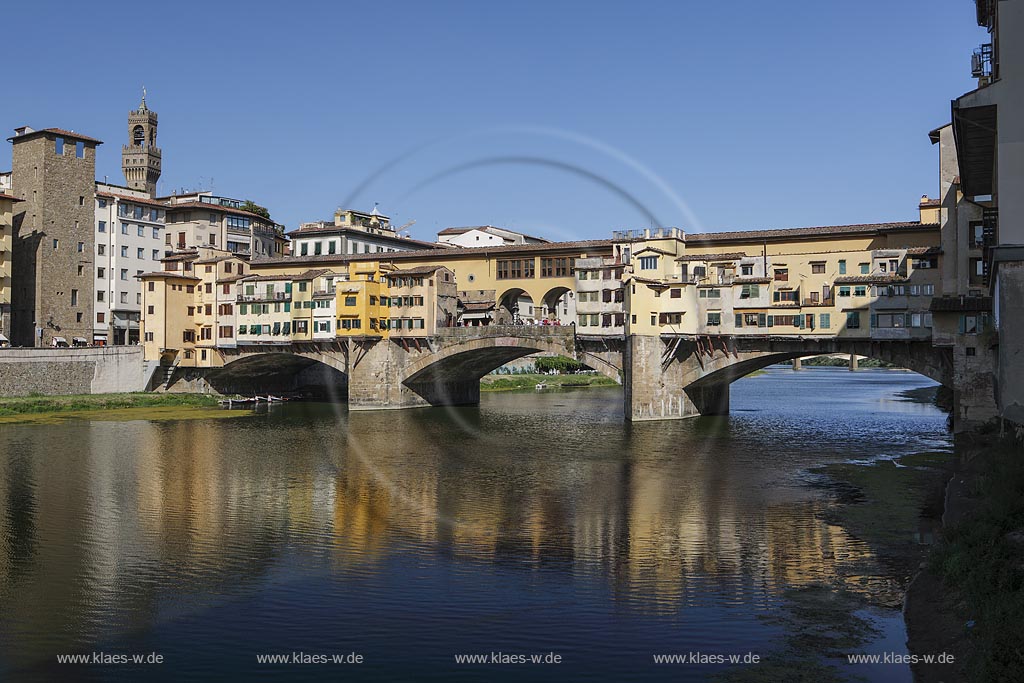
x,y
656,388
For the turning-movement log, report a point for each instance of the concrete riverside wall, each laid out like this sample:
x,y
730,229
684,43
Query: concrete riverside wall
x,y
52,372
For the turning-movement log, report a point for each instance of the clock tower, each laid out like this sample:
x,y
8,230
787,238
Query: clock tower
x,y
140,158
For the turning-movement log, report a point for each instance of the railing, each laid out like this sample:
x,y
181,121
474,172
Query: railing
x,y
819,302
507,331
276,296
981,61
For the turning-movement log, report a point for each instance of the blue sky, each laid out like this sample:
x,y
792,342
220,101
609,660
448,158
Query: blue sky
x,y
565,119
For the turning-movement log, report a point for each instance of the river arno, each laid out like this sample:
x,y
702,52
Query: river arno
x,y
534,524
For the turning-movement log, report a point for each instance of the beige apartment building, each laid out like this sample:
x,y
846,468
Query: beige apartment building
x,y
6,242
201,219
863,281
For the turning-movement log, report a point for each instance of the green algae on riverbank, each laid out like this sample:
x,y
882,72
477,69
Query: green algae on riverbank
x,y
52,409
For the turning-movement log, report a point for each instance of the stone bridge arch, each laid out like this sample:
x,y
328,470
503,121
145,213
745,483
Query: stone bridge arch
x,y
686,376
285,369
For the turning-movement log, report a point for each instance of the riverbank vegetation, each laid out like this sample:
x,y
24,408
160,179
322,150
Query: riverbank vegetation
x,y
981,561
531,380
36,404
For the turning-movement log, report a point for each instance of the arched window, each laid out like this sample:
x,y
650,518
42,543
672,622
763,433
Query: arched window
x,y
138,136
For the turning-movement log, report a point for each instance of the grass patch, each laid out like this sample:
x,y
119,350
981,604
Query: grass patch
x,y
982,560
530,381
35,404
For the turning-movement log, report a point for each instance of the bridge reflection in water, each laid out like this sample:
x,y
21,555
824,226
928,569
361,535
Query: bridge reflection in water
x,y
343,526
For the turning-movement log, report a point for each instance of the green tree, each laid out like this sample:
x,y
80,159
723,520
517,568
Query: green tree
x,y
253,207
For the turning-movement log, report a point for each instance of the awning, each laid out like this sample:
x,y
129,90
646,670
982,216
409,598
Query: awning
x,y
79,339
4,338
60,340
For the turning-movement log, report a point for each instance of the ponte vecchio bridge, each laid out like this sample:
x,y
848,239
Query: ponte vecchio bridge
x,y
675,318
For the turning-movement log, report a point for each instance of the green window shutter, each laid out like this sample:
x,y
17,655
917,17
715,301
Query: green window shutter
x,y
739,320
874,320
288,287
761,322
243,308
842,267
962,325
776,296
287,328
287,306
803,321
755,291
241,329
771,321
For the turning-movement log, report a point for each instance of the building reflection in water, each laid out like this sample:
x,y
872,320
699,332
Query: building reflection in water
x,y
108,527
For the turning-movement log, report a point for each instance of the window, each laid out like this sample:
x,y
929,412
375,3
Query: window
x,y
515,269
102,227
709,293
100,317
140,253
747,269
58,146
842,266
861,290
675,293
817,268
825,321
970,351
124,252
99,294
782,274
844,291
865,268
156,254
648,263
124,297
56,243
714,319
124,273
853,320
101,249
74,297
750,291
350,301
124,228
150,286
80,150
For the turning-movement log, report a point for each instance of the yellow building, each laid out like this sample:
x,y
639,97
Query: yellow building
x,y
865,281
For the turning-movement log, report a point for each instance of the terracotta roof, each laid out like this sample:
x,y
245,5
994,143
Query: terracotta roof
x,y
731,256
880,278
930,202
181,255
655,250
441,254
944,304
478,305
211,259
751,280
230,278
268,278
418,270
924,251
819,231
55,131
313,273
129,198
10,197
168,273
653,283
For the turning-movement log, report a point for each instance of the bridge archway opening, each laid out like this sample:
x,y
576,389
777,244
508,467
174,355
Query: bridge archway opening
x,y
516,305
273,373
559,303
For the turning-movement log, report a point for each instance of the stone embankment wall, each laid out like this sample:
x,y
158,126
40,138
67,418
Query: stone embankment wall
x,y
52,372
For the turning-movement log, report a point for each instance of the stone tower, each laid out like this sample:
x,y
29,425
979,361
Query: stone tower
x,y
140,158
53,172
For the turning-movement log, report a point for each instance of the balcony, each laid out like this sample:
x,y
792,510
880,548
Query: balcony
x,y
981,63
819,302
275,296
